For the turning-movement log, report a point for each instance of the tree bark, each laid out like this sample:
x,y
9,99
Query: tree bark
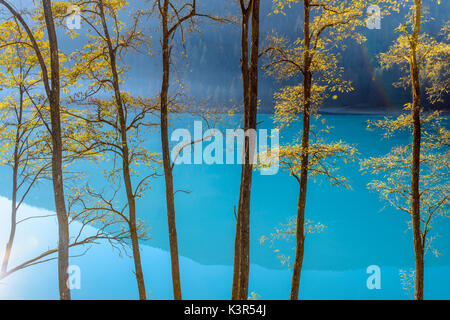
x,y
176,282
299,248
57,157
300,236
250,94
307,82
245,89
415,169
125,160
236,265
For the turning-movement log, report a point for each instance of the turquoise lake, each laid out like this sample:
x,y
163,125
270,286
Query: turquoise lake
x,y
361,230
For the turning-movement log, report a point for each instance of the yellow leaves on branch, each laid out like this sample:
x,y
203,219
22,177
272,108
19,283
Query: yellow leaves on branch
x,y
393,170
323,160
287,232
404,121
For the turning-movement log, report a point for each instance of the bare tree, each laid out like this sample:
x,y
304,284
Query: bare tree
x,y
114,131
172,20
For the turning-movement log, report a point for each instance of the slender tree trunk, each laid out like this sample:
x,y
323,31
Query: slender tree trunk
x,y
132,211
166,156
250,93
134,235
415,192
415,169
16,160
237,254
235,294
125,160
57,158
307,82
300,236
299,249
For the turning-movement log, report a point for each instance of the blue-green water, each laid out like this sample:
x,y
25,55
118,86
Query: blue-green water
x,y
361,231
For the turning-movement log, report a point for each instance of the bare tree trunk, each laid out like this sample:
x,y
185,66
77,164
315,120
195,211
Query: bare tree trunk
x,y
245,89
166,156
237,254
57,158
134,238
125,160
307,82
415,192
299,249
250,93
415,169
300,236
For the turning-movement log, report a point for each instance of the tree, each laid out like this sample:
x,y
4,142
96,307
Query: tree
x,y
425,60
113,131
172,21
27,146
84,212
287,232
394,169
51,82
323,161
21,126
249,71
314,58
